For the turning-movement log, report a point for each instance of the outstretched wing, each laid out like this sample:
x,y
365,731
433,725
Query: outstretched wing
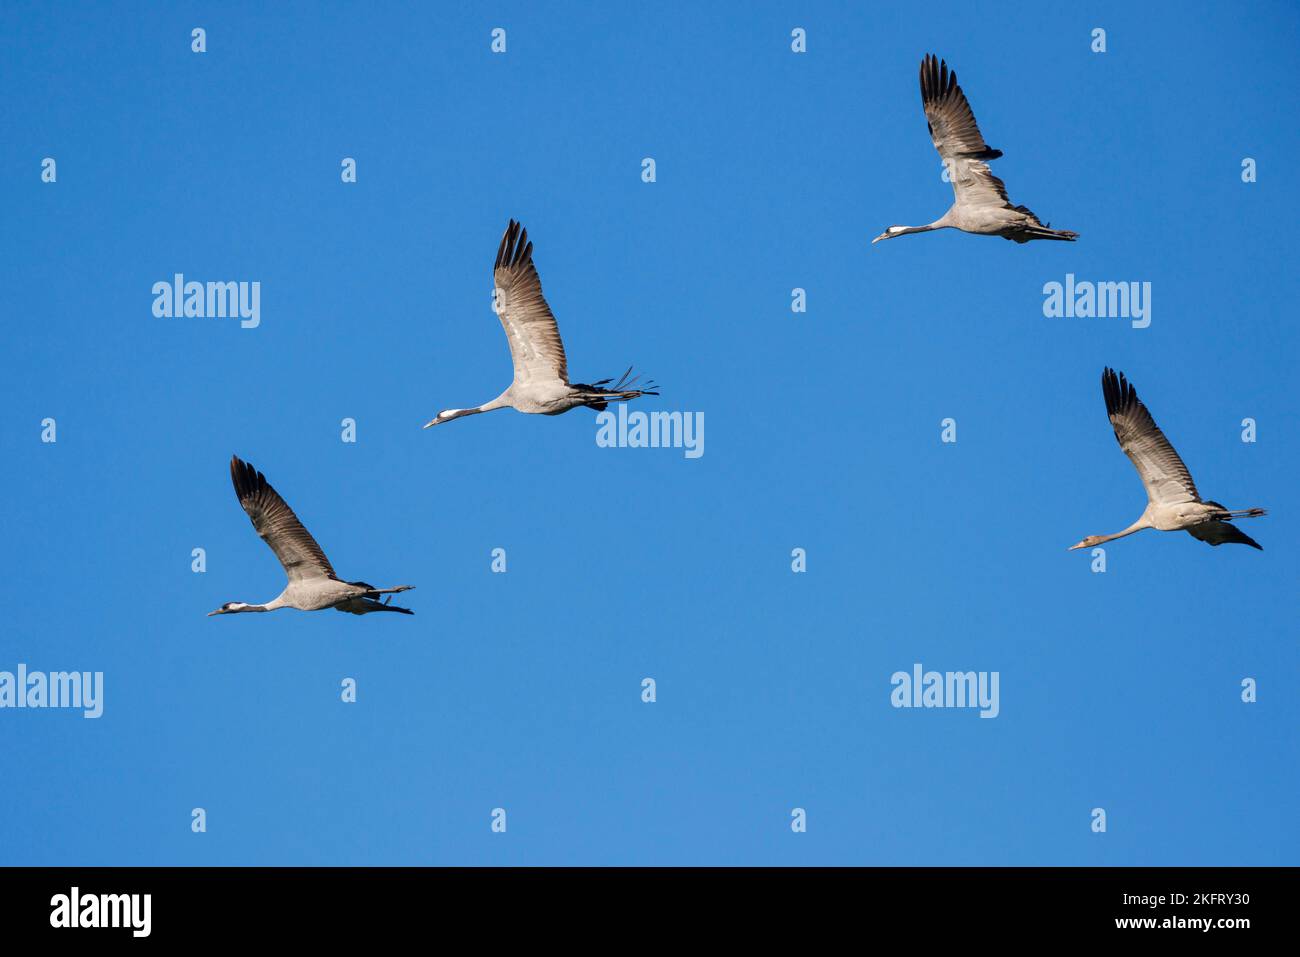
x,y
1216,533
530,327
957,137
1163,473
274,520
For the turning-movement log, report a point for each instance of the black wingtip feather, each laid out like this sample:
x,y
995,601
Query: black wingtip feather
x,y
246,479
506,238
237,468
1118,391
937,81
515,247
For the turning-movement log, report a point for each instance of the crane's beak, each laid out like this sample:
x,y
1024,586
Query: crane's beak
x,y
879,238
1073,547
217,612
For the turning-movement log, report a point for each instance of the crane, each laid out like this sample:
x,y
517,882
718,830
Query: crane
x,y
312,582
541,384
1173,504
980,203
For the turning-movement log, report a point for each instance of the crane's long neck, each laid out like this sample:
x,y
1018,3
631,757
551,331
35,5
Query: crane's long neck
x,y
235,607
943,222
277,602
446,415
499,402
928,227
1137,526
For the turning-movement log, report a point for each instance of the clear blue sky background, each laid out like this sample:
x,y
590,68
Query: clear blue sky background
x,y
1118,690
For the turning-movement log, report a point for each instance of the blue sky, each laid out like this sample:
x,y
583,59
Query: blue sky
x,y
522,690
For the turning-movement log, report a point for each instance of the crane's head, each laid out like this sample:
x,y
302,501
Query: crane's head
x,y
890,233
446,415
229,608
1088,542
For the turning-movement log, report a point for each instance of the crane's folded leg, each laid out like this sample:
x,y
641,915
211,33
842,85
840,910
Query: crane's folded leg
x,y
1044,232
364,606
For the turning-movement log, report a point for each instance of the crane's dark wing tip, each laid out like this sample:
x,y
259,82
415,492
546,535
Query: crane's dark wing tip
x,y
515,249
237,472
1118,392
506,249
247,480
937,81
1217,533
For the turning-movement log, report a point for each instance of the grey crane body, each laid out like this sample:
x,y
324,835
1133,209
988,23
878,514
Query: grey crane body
x,y
541,384
1173,503
312,582
980,204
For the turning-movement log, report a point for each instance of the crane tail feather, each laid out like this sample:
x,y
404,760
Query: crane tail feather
x,y
597,397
